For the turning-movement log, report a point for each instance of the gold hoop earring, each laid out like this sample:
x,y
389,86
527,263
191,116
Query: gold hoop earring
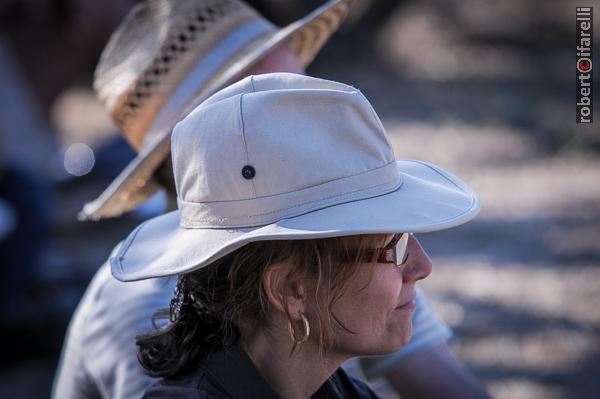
x,y
306,332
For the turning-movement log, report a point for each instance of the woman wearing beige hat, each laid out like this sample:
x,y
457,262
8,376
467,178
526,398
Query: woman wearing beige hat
x,y
292,242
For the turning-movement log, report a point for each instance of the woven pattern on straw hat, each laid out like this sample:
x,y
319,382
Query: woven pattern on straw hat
x,y
134,86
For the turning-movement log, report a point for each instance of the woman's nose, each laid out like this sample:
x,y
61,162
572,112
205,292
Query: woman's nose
x,y
418,264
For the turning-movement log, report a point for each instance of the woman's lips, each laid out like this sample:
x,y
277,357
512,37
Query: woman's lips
x,y
411,304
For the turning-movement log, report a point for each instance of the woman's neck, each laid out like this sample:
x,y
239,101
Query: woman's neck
x,y
297,376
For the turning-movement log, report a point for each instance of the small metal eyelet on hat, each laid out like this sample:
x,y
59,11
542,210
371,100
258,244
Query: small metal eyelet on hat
x,y
248,172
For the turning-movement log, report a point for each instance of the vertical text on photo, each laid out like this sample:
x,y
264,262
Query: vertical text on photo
x,y
584,56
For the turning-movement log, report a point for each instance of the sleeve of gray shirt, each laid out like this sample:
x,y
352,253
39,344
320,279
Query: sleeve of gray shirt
x,y
72,379
99,356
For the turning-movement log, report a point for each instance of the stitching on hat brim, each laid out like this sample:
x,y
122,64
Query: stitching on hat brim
x,y
125,247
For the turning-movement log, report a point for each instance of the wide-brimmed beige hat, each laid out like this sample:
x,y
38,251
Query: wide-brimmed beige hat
x,y
284,156
166,57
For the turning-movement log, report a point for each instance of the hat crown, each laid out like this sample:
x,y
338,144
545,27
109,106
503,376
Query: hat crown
x,y
278,145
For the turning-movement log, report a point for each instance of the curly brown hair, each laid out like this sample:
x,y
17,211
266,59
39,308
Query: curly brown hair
x,y
212,303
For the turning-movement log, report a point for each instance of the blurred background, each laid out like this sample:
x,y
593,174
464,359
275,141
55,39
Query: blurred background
x,y
485,89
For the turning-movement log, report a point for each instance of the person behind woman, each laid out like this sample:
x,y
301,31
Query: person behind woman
x,y
293,243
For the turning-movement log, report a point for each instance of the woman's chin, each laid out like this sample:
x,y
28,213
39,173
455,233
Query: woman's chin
x,y
399,342
390,345
401,338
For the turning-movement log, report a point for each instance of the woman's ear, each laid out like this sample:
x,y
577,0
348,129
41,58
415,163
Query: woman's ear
x,y
284,290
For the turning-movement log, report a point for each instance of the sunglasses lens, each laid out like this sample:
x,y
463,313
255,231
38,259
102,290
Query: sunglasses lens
x,y
401,246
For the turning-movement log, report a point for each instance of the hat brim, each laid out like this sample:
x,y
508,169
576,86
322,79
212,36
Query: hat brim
x,y
135,184
429,199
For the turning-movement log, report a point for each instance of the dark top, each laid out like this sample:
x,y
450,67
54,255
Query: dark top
x,y
231,374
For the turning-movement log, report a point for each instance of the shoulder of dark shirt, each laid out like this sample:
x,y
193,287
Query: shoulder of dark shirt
x,y
352,386
193,384
196,384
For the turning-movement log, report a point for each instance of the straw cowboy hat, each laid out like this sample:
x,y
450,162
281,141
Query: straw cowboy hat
x,y
166,57
286,156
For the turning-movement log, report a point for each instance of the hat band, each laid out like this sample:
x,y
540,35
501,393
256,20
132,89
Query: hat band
x,y
265,210
204,69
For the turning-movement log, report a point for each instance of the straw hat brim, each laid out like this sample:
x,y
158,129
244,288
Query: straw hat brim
x,y
135,184
429,199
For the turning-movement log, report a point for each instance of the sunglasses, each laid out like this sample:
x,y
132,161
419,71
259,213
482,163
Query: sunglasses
x,y
395,252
